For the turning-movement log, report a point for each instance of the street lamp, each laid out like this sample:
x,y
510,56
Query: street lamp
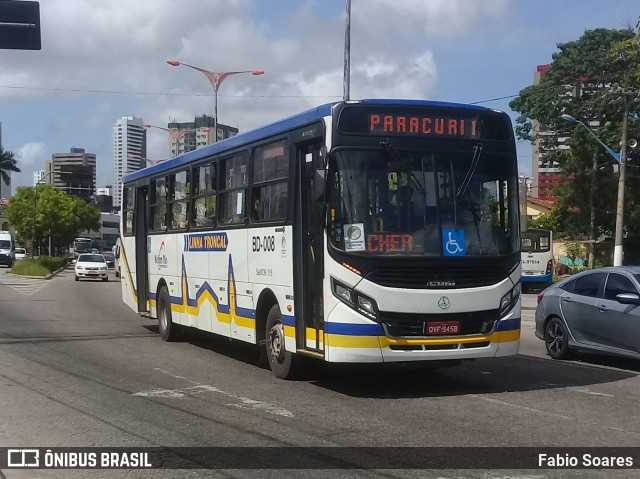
x,y
35,207
621,158
216,79
175,134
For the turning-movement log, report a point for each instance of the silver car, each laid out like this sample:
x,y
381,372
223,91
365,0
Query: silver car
x,y
596,310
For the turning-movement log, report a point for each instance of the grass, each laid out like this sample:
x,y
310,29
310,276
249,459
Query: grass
x,y
30,267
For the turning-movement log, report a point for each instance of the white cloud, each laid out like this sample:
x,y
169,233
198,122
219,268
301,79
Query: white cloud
x,y
123,45
31,154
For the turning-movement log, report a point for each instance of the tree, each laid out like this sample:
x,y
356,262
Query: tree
x,y
586,81
7,163
58,215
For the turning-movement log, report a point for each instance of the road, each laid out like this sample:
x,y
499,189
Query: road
x,y
78,368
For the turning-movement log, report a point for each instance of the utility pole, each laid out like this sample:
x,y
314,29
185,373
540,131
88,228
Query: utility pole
x,y
592,222
347,54
618,251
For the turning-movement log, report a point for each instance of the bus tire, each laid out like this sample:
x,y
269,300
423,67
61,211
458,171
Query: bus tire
x,y
280,360
168,330
556,339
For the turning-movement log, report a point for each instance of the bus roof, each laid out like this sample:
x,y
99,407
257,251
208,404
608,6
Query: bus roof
x,y
290,123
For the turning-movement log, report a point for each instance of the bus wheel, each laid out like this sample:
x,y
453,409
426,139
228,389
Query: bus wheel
x,y
168,330
280,360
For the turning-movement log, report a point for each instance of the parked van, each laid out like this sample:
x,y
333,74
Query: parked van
x,y
7,249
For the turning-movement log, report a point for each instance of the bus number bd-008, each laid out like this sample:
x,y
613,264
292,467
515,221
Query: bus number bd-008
x,y
264,243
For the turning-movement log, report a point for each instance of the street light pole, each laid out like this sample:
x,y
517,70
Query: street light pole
x,y
216,79
621,158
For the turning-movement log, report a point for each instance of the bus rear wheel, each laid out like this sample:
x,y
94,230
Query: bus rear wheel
x,y
168,330
281,361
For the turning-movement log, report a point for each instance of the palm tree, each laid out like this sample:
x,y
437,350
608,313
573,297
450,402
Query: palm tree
x,y
7,163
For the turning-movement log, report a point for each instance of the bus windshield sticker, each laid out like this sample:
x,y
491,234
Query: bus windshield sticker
x,y
354,237
239,203
206,242
453,243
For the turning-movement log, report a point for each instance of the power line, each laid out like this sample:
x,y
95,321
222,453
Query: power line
x,y
120,92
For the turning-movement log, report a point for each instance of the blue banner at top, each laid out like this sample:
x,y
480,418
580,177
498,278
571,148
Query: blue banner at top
x,y
206,242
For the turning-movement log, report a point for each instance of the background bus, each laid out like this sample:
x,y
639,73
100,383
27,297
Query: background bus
x,y
537,258
371,231
81,245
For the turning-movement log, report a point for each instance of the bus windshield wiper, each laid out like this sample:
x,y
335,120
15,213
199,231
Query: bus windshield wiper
x,y
402,164
462,189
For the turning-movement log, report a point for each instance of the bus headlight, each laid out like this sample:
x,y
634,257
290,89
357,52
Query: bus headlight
x,y
509,300
354,299
367,306
342,292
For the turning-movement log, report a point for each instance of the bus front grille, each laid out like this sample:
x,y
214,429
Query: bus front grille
x,y
437,277
399,325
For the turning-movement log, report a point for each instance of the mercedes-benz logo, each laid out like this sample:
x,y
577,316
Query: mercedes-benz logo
x,y
444,302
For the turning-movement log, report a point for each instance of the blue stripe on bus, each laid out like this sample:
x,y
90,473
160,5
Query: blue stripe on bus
x,y
508,324
349,329
546,278
289,320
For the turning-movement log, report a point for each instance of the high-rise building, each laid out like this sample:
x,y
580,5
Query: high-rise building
x,y
129,145
74,173
38,175
191,135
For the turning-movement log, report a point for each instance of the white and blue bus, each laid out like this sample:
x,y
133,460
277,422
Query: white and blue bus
x,y
537,258
368,231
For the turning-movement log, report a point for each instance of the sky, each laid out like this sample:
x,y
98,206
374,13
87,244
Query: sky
x,y
101,61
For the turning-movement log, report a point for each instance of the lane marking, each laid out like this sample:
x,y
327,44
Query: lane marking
x,y
518,406
241,402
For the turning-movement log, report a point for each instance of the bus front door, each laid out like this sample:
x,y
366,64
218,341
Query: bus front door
x,y
141,232
309,258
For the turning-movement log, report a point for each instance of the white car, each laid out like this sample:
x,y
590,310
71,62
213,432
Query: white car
x,y
91,265
20,253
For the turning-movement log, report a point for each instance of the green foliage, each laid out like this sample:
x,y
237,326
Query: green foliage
x,y
585,80
7,163
52,263
30,267
574,250
57,214
546,221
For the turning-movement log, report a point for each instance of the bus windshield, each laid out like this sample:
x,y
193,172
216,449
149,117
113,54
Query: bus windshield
x,y
82,246
411,202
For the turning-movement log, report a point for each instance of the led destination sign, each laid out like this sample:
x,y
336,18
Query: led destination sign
x,y
432,125
416,122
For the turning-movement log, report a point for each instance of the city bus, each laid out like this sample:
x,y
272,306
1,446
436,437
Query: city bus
x,y
81,245
370,231
537,258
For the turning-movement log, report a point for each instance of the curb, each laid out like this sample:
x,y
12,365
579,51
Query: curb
x,y
49,276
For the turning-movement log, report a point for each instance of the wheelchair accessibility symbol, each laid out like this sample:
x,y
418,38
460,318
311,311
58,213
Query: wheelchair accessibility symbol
x,y
453,243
